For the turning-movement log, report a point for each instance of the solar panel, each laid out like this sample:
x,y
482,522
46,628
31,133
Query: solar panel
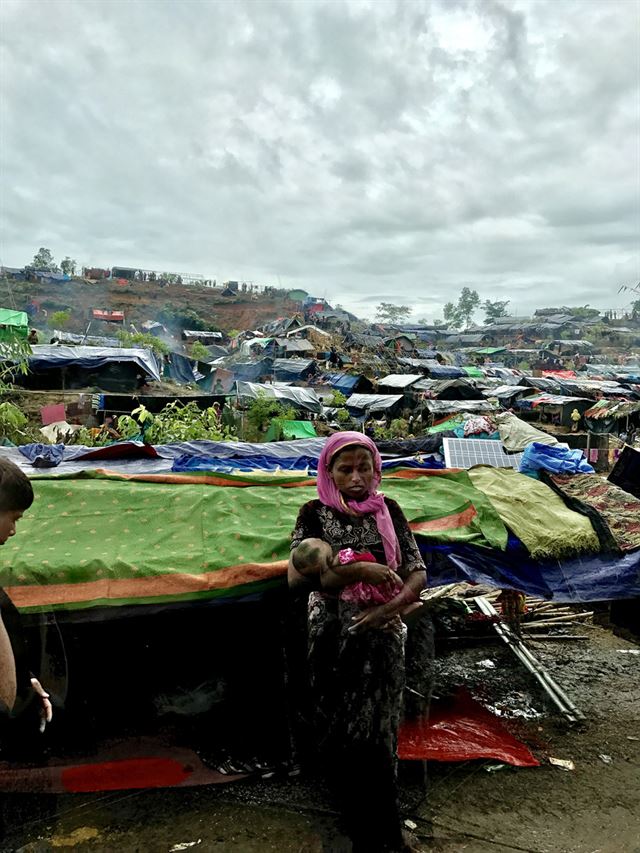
x,y
466,452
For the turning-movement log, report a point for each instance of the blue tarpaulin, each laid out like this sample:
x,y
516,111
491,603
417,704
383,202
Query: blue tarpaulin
x,y
249,371
47,357
443,371
343,382
598,577
181,369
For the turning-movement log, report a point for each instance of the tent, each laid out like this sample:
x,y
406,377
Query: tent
x,y
292,369
13,324
370,403
399,381
300,398
109,368
348,383
282,429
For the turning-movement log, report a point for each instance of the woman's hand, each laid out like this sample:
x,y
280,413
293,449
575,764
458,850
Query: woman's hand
x,y
377,573
373,617
46,711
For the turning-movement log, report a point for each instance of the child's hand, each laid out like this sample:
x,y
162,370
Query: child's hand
x,y
373,617
377,573
46,711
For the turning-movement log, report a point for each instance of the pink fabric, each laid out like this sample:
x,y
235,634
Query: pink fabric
x,y
361,593
373,503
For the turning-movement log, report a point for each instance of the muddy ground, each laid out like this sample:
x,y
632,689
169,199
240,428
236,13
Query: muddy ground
x,y
468,807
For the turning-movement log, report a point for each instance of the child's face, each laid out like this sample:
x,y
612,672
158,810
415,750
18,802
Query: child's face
x,y
8,520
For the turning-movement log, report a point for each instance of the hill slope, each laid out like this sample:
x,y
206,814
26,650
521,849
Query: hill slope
x,y
142,301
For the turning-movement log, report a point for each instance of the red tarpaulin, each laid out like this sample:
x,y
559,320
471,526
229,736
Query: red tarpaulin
x,y
460,729
559,374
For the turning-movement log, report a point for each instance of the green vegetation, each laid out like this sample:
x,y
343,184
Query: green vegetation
x,y
176,422
68,266
260,414
387,312
143,339
60,319
43,260
398,428
199,352
14,426
15,354
494,310
183,318
459,313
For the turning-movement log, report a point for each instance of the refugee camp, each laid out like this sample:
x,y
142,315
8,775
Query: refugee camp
x,y
320,428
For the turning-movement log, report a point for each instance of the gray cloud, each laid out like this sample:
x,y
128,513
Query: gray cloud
x,y
365,151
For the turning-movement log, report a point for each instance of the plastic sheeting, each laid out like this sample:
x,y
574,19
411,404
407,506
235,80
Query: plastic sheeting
x,y
437,407
461,729
43,455
47,357
291,369
344,382
626,471
300,398
181,369
373,402
442,371
557,459
598,577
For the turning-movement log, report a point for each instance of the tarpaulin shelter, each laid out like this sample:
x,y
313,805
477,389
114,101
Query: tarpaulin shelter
x,y
294,369
108,316
110,368
444,371
205,337
385,404
70,339
248,371
348,383
399,381
298,345
13,324
304,399
442,407
288,430
456,389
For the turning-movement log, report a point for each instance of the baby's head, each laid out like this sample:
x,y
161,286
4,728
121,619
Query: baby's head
x,y
313,554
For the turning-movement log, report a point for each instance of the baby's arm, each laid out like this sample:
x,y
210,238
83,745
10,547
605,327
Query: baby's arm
x,y
337,575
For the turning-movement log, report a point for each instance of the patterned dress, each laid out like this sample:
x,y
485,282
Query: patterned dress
x,y
358,680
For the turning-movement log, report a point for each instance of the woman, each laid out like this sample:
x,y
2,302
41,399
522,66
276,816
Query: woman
x,y
357,656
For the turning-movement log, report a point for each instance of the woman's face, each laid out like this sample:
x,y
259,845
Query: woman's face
x,y
352,472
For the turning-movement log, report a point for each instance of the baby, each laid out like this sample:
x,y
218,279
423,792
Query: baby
x,y
314,556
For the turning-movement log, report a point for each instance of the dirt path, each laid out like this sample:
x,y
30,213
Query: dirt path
x,y
592,809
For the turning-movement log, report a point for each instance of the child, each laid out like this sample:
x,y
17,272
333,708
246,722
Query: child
x,y
314,556
17,684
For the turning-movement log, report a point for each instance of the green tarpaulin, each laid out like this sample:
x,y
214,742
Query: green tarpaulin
x,y
95,540
474,372
536,514
13,324
281,429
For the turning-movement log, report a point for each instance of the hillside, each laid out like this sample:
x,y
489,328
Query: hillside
x,y
142,301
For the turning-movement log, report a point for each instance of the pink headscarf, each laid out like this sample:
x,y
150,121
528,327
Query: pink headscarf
x,y
373,503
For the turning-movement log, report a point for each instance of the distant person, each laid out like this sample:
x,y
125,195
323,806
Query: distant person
x,y
218,387
33,337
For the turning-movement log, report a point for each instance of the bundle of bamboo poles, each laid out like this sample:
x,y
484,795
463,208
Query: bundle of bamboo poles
x,y
542,614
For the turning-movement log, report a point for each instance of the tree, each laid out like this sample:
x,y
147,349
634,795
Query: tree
x,y
459,313
59,319
43,260
199,352
494,310
387,312
68,266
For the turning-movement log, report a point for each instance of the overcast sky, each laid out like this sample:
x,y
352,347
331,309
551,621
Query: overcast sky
x,y
364,151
